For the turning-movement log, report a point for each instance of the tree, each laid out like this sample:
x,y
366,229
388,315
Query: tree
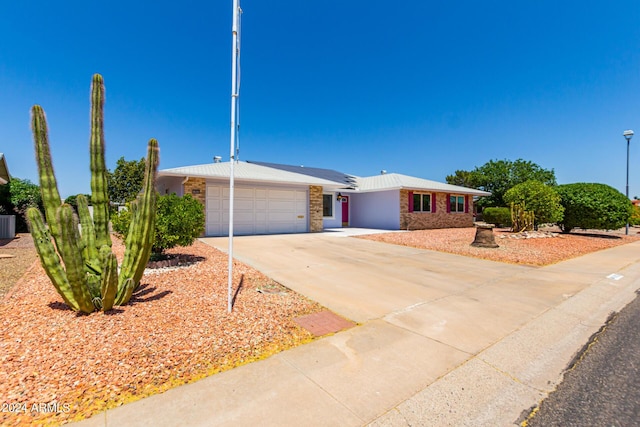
x,y
498,176
125,182
73,200
540,198
179,221
592,205
16,197
462,178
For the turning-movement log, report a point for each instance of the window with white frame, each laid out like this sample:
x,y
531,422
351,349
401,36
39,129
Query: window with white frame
x,y
327,205
421,202
456,204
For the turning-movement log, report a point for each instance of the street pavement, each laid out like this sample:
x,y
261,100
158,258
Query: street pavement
x,y
442,340
603,387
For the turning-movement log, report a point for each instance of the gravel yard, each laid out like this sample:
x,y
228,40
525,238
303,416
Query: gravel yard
x,y
16,256
514,248
175,330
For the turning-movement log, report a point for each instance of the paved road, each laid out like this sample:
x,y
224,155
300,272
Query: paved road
x,y
603,389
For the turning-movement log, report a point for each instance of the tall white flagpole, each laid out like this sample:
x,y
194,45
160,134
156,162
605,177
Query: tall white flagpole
x,y
232,150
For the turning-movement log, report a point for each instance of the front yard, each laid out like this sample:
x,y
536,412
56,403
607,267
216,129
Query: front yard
x,y
514,248
175,330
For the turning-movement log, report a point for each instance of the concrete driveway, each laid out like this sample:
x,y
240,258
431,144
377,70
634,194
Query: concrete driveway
x,y
444,340
364,280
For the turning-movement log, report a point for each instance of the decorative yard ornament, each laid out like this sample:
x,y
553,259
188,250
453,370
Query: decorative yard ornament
x,y
81,265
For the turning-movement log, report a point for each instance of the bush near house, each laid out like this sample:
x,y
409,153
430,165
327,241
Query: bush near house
x,y
16,197
592,205
539,198
179,221
501,217
635,216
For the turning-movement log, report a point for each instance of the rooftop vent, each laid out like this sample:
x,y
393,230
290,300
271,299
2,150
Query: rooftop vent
x,y
217,159
383,172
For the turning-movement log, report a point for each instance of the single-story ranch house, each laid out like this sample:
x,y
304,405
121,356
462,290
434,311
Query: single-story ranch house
x,y
272,198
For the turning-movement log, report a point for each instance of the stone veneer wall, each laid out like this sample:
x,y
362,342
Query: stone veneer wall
x,y
315,209
197,187
439,219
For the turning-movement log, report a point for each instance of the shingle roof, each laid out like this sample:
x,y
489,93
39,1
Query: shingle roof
x,y
392,181
243,171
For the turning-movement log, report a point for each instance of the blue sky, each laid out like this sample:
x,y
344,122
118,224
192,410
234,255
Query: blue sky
x,y
416,87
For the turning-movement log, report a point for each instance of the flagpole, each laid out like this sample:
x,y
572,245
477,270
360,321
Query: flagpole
x,y
232,150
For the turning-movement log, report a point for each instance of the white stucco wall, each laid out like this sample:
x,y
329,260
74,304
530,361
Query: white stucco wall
x,y
169,184
336,220
376,210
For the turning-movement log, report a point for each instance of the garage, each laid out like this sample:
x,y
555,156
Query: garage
x,y
257,210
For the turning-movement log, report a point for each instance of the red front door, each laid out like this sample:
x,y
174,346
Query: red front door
x,y
345,211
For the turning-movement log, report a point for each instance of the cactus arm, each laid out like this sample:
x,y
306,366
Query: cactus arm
x,y
49,258
89,248
72,257
124,292
48,184
109,282
142,228
99,196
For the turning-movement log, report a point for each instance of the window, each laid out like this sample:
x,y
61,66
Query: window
x,y
327,205
421,202
456,204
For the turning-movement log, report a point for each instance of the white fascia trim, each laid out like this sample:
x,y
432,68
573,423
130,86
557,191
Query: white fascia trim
x,y
253,181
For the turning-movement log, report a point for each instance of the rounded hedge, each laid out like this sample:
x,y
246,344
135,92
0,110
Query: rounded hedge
x,y
501,217
592,205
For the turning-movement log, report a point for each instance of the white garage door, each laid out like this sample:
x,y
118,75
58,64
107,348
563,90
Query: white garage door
x,y
257,210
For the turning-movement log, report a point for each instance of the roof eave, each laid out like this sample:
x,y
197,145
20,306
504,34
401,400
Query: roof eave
x,y
327,184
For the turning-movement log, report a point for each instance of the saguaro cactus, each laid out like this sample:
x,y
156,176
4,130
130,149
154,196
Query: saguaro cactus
x,y
89,279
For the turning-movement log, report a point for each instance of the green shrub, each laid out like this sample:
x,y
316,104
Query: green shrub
x,y
16,197
120,222
498,216
73,200
635,216
541,199
592,205
179,221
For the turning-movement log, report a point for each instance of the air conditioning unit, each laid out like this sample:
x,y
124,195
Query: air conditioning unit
x,y
7,226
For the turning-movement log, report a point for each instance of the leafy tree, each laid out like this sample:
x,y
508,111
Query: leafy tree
x,y
179,221
72,200
125,182
16,197
540,198
498,176
591,205
462,178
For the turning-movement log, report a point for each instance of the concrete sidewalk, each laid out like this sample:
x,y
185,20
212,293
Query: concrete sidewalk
x,y
443,340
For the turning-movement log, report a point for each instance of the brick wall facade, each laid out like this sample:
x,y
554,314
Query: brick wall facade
x,y
197,187
315,209
439,219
